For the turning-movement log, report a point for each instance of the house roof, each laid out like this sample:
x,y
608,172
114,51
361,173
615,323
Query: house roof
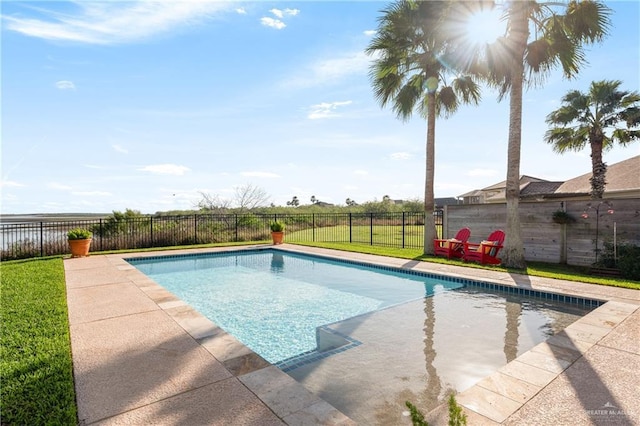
x,y
622,176
447,201
474,193
524,180
534,189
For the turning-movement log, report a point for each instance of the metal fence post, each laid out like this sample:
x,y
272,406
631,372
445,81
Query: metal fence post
x,y
151,226
350,227
370,228
195,228
403,229
41,241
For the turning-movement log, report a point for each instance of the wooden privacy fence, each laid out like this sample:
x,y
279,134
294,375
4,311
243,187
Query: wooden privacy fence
x,y
546,241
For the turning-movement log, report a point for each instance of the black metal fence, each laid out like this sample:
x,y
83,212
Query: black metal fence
x,y
34,239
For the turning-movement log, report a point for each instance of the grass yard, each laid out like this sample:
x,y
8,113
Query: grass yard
x,y
35,350
393,235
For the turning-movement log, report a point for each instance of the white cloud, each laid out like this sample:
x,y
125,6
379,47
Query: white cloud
x,y
65,85
325,110
277,12
400,156
166,169
331,70
115,22
273,23
361,172
482,173
260,174
241,11
370,33
92,193
58,186
119,148
10,184
281,13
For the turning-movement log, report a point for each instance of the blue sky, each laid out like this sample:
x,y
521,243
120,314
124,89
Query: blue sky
x,y
141,105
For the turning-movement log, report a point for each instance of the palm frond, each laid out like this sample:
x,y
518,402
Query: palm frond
x,y
625,136
564,139
589,21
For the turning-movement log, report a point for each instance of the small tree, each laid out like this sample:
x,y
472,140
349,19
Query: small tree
x,y
213,203
248,197
601,117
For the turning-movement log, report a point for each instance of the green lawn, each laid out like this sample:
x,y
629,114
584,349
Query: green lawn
x,y
35,350
411,235
35,356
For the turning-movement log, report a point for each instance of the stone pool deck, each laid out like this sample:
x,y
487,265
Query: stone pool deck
x,y
141,356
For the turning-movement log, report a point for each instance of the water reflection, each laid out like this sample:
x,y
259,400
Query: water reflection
x,y
422,350
513,310
277,262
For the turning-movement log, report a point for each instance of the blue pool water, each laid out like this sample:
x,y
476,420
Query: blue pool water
x,y
274,301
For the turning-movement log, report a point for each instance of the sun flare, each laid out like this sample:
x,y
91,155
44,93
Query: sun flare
x,y
485,27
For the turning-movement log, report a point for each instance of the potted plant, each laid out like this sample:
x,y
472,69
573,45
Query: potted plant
x,y
79,241
561,217
277,232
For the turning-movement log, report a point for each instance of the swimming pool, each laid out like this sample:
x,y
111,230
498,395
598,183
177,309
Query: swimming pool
x,y
365,338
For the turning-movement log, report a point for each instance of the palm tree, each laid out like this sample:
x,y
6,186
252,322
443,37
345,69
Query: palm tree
x,y
409,73
594,118
514,61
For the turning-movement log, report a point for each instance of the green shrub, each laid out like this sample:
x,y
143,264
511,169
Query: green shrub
x,y
79,234
417,418
629,261
249,221
626,259
277,226
457,417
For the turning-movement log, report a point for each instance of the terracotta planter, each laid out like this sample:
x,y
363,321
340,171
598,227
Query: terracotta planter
x,y
277,237
80,248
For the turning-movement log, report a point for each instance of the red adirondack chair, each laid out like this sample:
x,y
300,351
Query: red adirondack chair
x,y
453,246
486,251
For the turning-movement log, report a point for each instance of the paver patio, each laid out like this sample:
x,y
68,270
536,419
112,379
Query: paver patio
x,y
142,356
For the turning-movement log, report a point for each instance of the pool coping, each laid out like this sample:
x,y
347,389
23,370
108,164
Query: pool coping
x,y
491,401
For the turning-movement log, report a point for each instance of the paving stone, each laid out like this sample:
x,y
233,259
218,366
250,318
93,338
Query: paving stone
x,y
225,403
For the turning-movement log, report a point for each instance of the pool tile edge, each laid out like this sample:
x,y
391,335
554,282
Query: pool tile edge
x,y
242,362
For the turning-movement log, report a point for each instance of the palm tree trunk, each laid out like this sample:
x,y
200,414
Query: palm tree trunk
x,y
513,253
599,169
429,221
